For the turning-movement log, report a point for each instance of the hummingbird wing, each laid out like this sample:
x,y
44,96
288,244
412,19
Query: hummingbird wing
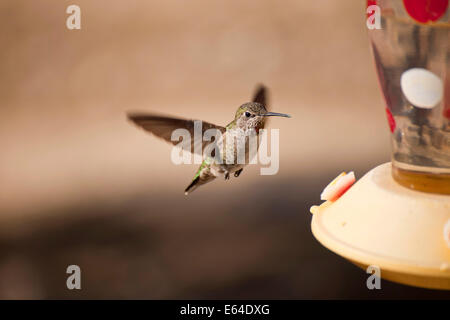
x,y
163,126
260,95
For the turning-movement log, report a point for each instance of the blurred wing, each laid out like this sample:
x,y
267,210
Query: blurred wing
x,y
261,96
162,127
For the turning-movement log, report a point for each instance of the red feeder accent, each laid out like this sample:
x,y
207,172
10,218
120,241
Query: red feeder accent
x,y
391,120
370,3
447,113
446,110
426,10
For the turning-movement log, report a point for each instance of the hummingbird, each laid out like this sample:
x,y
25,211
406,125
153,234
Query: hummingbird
x,y
249,116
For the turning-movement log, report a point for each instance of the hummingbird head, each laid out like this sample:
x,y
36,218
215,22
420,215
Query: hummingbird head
x,y
252,115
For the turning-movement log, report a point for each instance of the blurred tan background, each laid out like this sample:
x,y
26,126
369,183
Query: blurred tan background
x,y
80,185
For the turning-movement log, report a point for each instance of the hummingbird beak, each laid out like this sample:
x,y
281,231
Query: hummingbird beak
x,y
275,114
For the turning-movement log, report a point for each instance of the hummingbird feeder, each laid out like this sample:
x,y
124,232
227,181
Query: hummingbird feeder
x,y
397,216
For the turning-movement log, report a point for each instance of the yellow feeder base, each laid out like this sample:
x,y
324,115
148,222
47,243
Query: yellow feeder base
x,y
378,222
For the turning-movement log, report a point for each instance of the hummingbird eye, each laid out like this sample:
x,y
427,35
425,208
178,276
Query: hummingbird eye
x,y
248,114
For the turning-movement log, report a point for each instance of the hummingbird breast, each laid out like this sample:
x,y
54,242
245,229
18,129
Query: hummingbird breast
x,y
235,152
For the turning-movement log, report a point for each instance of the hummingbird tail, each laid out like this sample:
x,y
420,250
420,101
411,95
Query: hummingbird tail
x,y
197,182
192,186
